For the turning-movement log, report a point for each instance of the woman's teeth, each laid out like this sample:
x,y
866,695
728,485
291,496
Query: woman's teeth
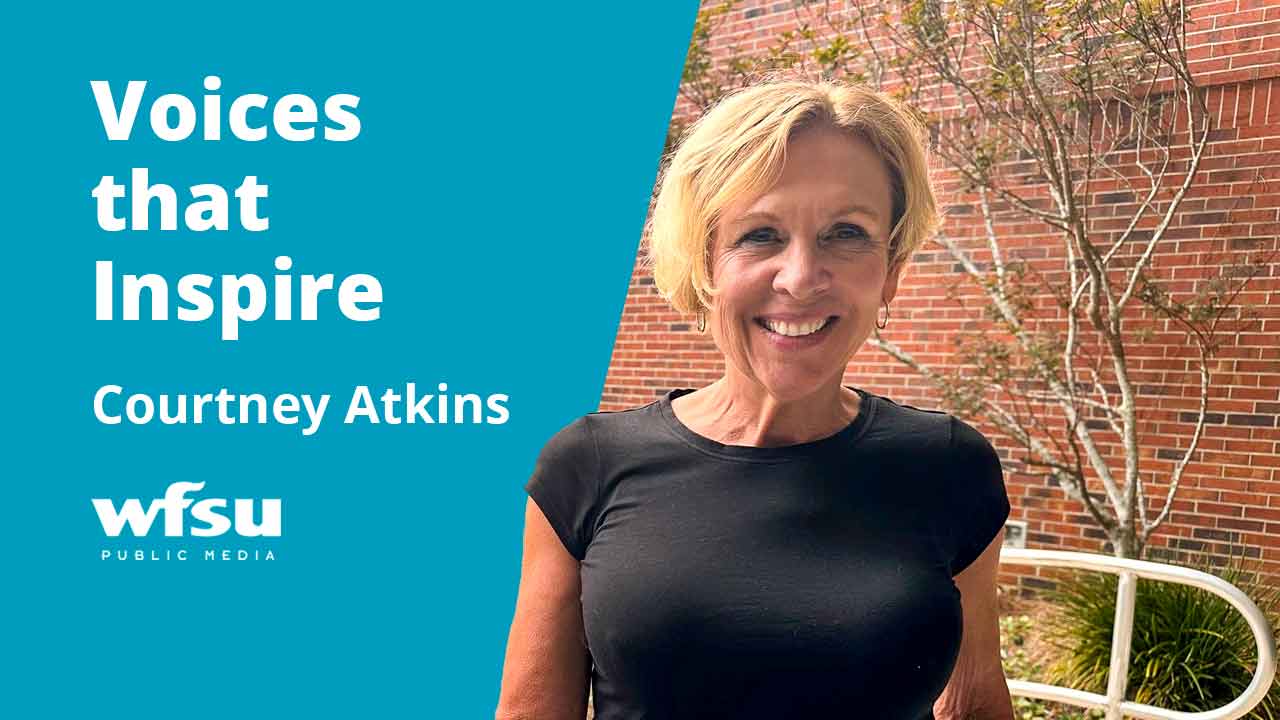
x,y
795,329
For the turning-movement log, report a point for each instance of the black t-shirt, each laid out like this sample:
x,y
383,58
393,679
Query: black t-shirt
x,y
806,581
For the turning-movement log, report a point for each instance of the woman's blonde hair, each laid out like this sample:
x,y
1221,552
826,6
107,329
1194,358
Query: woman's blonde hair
x,y
738,148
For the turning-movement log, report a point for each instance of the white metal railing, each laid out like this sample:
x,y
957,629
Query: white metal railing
x,y
1129,571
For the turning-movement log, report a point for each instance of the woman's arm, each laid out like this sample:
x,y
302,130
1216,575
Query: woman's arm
x,y
977,689
547,664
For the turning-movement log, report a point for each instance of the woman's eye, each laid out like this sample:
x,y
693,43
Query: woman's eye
x,y
759,237
848,232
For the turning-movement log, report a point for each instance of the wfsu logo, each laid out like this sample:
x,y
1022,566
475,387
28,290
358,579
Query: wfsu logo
x,y
210,516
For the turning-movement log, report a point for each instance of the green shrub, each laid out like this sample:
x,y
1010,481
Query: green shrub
x,y
1015,631
1191,651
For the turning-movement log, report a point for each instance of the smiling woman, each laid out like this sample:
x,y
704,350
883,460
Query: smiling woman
x,y
775,544
800,272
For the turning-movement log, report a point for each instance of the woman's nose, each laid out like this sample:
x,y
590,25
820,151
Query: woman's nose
x,y
802,274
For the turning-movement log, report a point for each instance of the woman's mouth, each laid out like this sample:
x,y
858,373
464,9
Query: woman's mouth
x,y
797,333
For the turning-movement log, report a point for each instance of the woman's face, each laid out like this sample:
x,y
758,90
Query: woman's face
x,y
801,270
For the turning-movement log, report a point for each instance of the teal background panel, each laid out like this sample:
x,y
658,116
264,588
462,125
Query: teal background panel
x,y
497,190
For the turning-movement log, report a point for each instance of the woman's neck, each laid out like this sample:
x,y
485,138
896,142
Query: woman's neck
x,y
737,411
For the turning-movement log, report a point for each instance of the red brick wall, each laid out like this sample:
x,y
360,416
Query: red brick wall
x,y
1230,497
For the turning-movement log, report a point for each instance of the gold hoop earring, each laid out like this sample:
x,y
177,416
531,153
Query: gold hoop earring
x,y
883,325
702,321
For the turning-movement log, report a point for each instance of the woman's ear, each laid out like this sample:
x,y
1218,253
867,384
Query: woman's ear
x,y
891,281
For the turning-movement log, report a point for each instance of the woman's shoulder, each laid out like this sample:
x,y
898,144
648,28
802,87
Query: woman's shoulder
x,y
918,427
614,421
608,429
930,429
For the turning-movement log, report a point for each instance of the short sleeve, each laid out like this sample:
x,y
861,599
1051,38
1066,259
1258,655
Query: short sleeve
x,y
978,504
565,485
